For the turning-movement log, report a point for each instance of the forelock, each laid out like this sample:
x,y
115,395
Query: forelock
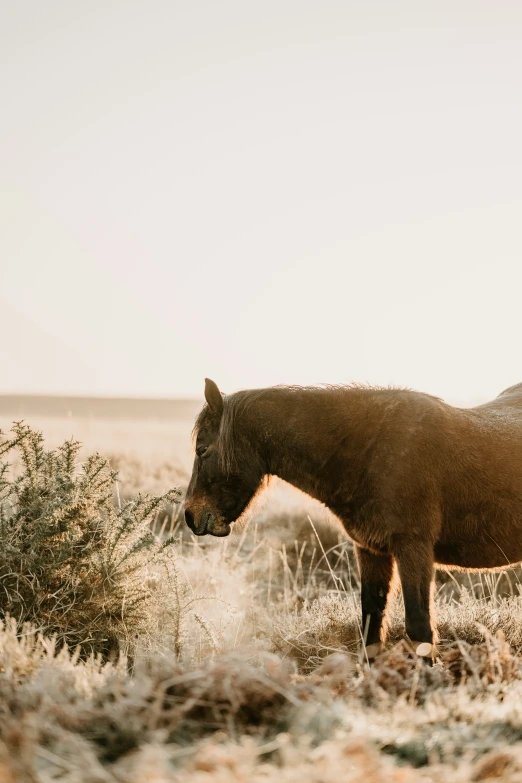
x,y
202,417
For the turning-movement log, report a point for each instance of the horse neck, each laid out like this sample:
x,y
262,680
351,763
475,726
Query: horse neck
x,y
316,440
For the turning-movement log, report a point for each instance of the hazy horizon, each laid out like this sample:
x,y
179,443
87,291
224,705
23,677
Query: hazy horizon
x,y
9,400
262,193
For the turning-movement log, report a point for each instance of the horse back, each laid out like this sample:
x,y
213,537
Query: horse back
x,y
510,398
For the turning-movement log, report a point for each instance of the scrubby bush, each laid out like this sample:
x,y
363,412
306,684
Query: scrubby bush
x,y
73,562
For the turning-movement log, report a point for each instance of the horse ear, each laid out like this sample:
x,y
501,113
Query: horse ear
x,y
213,397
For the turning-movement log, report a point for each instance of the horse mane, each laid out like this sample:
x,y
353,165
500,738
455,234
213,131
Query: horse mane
x,y
237,404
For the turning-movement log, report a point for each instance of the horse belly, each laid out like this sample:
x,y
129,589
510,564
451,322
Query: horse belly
x,y
481,553
486,531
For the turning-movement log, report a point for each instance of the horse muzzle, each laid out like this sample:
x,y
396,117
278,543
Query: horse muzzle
x,y
206,524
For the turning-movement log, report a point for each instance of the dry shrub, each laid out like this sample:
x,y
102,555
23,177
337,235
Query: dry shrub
x,y
484,664
490,585
346,759
498,765
467,618
184,704
335,673
81,721
330,624
399,672
73,563
54,699
160,724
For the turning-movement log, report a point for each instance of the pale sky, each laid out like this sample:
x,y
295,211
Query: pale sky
x,y
268,191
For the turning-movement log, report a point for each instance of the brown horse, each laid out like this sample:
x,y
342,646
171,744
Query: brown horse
x,y
413,480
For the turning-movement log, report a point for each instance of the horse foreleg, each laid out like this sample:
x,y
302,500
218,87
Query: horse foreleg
x,y
415,562
376,575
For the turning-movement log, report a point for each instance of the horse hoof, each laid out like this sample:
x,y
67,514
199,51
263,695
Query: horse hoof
x,y
373,650
425,650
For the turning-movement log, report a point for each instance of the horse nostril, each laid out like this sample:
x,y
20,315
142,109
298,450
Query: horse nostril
x,y
189,519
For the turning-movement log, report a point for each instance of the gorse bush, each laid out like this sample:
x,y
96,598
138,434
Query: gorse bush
x,y
74,563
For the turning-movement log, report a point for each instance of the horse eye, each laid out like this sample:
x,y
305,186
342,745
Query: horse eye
x,y
201,450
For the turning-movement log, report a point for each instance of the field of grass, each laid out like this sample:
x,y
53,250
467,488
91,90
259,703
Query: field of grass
x,y
246,665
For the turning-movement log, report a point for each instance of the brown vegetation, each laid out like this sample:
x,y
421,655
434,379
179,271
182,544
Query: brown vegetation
x,y
249,668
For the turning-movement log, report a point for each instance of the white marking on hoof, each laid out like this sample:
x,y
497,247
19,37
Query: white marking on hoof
x,y
426,650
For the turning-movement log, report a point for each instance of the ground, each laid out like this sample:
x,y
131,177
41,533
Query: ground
x,y
254,672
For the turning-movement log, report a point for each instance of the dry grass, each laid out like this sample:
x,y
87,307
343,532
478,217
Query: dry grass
x,y
252,671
